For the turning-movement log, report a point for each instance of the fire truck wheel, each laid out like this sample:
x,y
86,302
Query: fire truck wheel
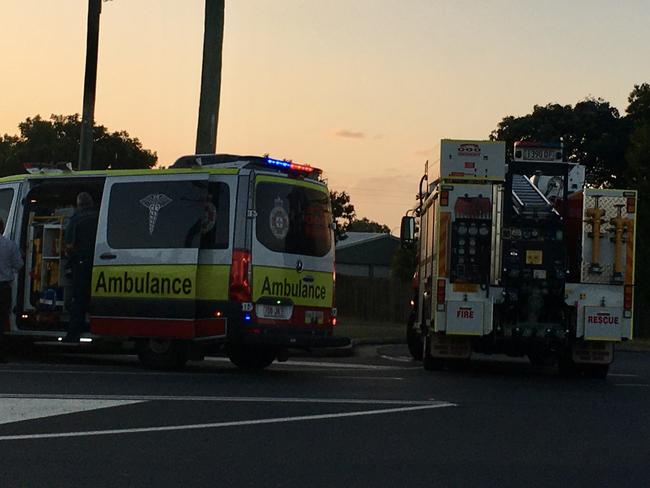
x,y
162,353
566,367
598,371
250,358
540,359
414,339
429,362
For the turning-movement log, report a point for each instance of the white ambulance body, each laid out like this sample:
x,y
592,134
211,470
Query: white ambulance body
x,y
219,250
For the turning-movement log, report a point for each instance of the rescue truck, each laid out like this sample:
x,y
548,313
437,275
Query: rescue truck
x,y
218,250
521,258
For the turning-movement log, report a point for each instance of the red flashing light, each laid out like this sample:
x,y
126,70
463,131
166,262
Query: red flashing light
x,y
240,287
441,291
628,292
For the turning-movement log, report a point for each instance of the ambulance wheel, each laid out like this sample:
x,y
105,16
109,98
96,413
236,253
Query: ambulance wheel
x,y
414,339
162,353
250,358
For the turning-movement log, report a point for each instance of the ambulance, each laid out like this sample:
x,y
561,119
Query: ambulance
x,y
218,251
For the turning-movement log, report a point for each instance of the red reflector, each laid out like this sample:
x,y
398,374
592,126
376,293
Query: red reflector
x,y
631,205
240,287
444,198
333,321
470,165
628,292
440,291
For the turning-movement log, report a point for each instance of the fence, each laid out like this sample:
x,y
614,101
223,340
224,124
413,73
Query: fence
x,y
380,299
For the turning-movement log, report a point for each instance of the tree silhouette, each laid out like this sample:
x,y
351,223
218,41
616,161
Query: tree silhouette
x,y
57,140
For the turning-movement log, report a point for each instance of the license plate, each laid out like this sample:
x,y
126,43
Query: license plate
x,y
314,317
281,312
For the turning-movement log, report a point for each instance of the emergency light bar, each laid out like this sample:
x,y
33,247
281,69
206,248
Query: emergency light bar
x,y
303,168
232,160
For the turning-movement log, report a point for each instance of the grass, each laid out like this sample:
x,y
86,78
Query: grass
x,y
363,330
641,344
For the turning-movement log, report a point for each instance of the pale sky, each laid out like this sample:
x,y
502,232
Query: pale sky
x,y
364,89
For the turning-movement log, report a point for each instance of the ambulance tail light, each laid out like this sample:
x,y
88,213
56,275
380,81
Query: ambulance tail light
x,y
240,285
628,292
440,295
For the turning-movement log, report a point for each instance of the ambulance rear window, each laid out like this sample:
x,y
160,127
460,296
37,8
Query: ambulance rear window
x,y
293,219
6,197
168,214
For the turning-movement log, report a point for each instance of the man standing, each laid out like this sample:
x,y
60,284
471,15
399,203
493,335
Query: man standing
x,y
10,262
79,238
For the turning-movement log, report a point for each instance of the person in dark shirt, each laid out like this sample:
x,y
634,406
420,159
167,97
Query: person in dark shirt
x,y
79,239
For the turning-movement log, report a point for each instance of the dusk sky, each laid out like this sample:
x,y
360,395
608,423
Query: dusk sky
x,y
364,89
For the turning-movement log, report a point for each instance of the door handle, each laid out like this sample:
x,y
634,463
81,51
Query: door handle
x,y
107,255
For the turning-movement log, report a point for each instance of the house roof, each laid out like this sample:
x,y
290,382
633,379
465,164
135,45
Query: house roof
x,y
356,238
367,248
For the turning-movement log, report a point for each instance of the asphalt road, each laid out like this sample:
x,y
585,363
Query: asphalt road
x,y
373,420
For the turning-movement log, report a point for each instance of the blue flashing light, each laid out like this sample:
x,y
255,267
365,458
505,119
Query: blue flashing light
x,y
247,317
278,162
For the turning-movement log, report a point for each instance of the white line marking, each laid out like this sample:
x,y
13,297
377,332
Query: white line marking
x,y
373,378
401,359
319,364
148,398
18,409
623,375
643,385
223,424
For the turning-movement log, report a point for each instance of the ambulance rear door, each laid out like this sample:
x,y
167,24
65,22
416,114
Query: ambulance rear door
x,y
293,252
9,202
146,255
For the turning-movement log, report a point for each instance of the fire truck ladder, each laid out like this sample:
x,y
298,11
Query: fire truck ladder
x,y
528,200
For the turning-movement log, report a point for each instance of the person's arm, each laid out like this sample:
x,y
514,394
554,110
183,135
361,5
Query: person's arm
x,y
18,262
69,237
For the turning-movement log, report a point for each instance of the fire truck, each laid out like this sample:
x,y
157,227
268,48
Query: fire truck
x,y
519,257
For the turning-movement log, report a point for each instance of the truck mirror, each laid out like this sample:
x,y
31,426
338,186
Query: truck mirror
x,y
407,230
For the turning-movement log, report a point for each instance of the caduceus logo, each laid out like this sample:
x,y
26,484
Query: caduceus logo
x,y
154,203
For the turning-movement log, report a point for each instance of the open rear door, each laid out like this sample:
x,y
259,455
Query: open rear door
x,y
146,255
9,198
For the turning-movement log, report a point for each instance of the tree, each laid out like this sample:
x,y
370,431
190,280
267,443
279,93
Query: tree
x,y
57,140
592,132
365,225
638,109
403,263
342,212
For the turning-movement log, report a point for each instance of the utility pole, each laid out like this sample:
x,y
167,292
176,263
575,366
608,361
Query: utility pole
x,y
90,84
206,131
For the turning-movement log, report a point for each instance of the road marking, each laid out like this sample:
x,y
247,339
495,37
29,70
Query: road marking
x,y
320,364
149,398
642,385
215,425
373,378
624,375
401,359
16,409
